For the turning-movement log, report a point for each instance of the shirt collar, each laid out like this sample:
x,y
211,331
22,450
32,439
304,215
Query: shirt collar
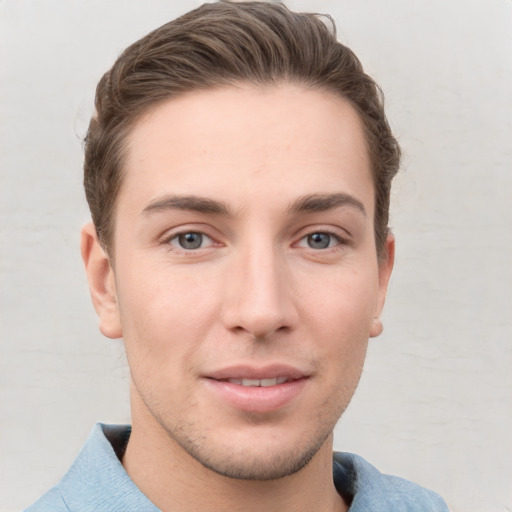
x,y
97,479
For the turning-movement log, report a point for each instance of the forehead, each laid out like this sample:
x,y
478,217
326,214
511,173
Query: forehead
x,y
282,140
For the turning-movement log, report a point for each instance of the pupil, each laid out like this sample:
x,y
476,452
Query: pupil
x,y
190,240
319,240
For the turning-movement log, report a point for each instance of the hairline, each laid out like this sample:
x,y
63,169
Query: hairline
x,y
147,109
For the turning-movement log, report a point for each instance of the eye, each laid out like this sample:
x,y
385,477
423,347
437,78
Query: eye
x,y
319,240
190,241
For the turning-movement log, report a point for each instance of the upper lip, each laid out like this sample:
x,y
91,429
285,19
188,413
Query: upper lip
x,y
254,372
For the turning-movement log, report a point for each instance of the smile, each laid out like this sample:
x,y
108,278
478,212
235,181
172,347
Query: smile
x,y
258,382
257,389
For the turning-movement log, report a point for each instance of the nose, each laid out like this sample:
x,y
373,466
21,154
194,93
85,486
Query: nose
x,y
259,298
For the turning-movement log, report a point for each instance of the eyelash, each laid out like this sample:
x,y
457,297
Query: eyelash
x,y
332,237
304,241
176,237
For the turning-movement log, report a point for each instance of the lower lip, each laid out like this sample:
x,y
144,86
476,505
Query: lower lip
x,y
258,399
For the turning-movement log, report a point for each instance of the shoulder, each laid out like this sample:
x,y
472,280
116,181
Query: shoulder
x,y
370,490
50,502
97,480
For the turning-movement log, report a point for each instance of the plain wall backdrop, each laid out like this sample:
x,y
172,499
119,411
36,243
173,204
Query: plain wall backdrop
x,y
435,400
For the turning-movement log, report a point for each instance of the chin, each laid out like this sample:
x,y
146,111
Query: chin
x,y
259,458
257,467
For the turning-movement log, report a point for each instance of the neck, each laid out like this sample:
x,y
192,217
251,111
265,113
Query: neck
x,y
173,480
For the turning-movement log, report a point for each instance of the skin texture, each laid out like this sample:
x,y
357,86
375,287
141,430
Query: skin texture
x,y
258,294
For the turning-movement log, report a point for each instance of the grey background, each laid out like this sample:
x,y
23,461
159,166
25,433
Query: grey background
x,y
435,401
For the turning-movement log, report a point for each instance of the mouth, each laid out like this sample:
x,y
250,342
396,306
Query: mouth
x,y
258,390
263,383
249,375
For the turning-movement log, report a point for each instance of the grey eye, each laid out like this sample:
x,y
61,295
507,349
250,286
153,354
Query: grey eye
x,y
319,240
190,240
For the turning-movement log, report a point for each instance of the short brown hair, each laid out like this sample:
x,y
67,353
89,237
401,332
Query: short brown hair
x,y
226,43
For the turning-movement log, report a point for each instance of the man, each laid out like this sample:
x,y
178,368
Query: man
x,y
238,171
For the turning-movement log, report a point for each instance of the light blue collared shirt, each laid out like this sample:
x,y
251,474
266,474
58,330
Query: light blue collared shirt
x,y
97,481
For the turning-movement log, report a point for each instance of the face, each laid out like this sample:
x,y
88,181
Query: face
x,y
246,281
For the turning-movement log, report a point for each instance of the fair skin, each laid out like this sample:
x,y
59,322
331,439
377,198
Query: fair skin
x,y
245,285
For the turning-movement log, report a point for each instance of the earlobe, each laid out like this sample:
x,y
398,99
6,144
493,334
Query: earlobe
x,y
385,268
376,328
100,277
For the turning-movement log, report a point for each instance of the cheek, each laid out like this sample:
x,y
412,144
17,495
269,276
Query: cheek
x,y
163,315
338,318
343,302
344,345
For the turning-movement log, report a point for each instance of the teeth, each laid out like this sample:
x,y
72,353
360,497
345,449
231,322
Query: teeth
x,y
250,382
258,382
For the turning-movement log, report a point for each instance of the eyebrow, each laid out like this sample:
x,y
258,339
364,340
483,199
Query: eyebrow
x,y
306,204
322,202
190,203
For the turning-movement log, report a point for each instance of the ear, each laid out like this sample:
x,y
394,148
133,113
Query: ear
x,y
100,276
386,262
